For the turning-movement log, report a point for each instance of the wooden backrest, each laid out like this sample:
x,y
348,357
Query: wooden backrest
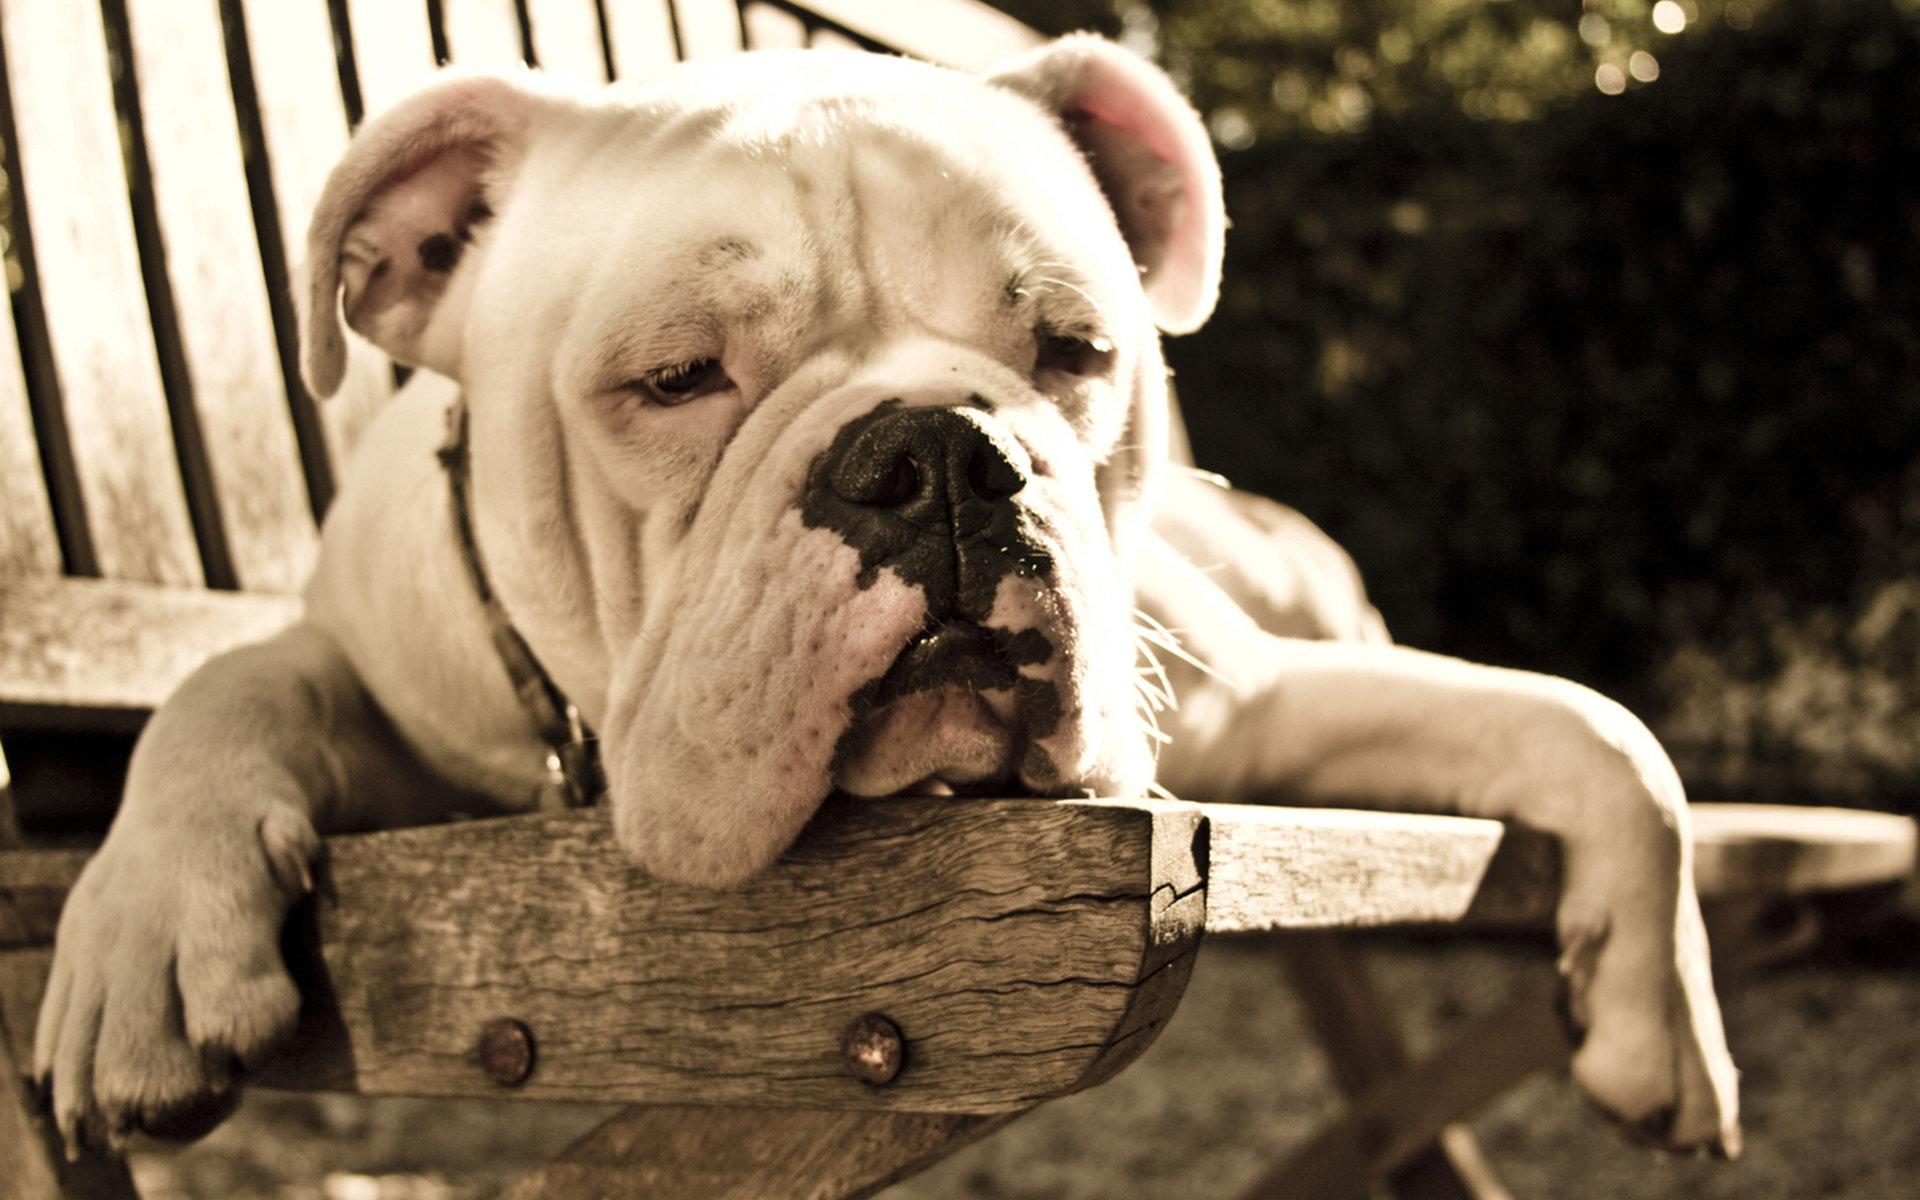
x,y
162,157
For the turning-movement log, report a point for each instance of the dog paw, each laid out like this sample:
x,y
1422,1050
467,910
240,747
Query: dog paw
x,y
1650,1051
167,979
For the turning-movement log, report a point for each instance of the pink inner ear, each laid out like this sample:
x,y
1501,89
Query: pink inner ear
x,y
1137,100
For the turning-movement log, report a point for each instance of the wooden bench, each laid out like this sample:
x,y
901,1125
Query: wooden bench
x,y
913,974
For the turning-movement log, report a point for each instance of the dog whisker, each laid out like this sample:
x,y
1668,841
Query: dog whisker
x,y
1169,641
1152,680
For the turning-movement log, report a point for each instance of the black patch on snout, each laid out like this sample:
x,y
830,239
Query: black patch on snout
x,y
961,654
933,495
930,494
970,656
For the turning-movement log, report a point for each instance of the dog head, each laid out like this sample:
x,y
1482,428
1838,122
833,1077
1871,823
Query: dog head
x,y
816,400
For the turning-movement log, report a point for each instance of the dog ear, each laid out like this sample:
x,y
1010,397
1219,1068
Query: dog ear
x,y
1152,157
396,215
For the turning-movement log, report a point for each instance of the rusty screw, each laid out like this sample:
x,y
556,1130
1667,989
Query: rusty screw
x,y
874,1050
506,1051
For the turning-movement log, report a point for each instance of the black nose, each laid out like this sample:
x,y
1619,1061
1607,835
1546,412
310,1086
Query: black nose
x,y
928,493
925,463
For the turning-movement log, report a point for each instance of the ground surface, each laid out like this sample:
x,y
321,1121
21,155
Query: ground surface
x,y
1831,1059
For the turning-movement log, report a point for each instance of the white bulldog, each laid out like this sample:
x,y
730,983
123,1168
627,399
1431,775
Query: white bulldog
x,y
814,422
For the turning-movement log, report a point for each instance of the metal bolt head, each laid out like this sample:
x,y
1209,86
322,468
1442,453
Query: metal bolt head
x,y
506,1051
874,1050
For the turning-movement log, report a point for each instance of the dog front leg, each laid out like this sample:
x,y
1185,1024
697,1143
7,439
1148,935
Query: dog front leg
x,y
1375,725
167,975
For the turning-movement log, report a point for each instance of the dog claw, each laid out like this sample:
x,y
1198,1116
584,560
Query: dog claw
x,y
1563,1008
1726,1147
291,846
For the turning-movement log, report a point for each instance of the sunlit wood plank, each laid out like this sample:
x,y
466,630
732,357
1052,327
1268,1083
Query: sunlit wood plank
x,y
213,266
90,285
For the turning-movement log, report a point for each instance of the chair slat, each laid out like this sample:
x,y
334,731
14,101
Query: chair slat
x,y
959,33
392,50
566,39
482,33
640,33
90,653
770,28
213,265
304,123
90,283
708,28
27,542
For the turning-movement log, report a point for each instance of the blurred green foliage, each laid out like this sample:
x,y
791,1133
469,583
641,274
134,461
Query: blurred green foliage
x,y
1597,345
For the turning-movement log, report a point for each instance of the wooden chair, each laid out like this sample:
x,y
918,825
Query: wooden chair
x,y
912,975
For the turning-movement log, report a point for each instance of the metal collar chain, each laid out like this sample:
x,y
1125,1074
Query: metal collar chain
x,y
574,776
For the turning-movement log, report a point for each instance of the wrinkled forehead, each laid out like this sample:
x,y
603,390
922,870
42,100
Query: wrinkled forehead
x,y
928,196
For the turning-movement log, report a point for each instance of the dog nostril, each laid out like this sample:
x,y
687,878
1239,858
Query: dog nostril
x,y
900,485
991,476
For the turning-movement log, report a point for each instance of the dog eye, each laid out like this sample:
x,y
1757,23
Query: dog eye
x,y
681,382
1071,354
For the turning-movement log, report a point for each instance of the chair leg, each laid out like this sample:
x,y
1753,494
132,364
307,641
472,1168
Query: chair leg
x,y
749,1154
1388,1131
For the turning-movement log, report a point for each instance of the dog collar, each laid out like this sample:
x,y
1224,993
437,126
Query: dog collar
x,y
574,777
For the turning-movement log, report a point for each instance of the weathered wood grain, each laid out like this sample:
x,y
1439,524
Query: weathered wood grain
x,y
220,291
90,287
1739,850
708,28
392,51
1478,873
101,653
1021,947
1282,868
482,33
770,28
303,122
749,1154
640,34
1045,941
566,39
28,545
959,33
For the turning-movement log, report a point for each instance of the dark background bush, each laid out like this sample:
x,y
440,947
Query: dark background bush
x,y
1623,387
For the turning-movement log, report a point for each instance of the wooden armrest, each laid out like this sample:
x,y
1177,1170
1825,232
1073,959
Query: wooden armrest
x,y
1024,949
1740,851
102,654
